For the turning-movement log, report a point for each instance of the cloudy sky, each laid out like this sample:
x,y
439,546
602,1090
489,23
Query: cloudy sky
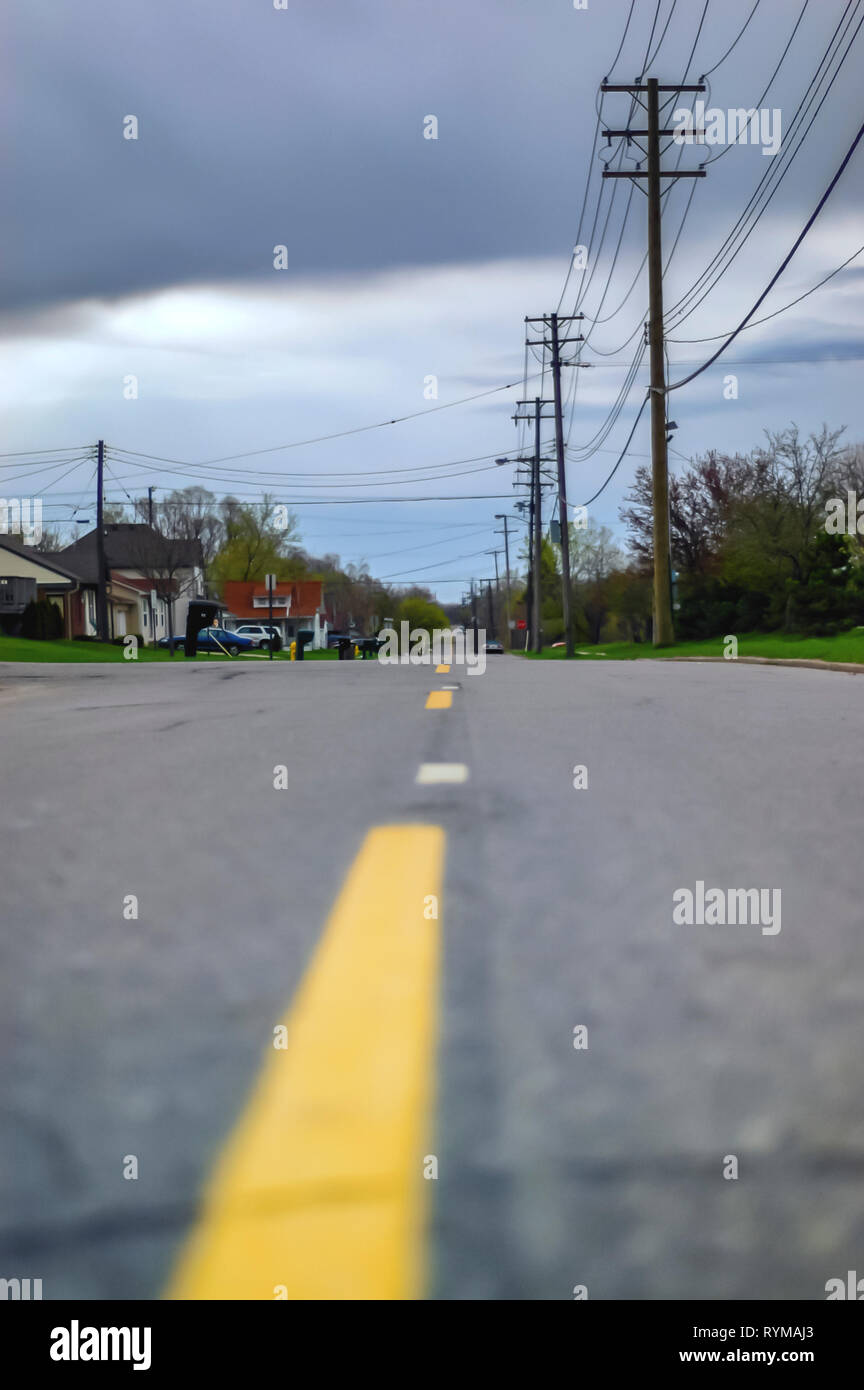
x,y
406,258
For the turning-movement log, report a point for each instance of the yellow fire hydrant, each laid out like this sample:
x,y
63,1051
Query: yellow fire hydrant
x,y
293,656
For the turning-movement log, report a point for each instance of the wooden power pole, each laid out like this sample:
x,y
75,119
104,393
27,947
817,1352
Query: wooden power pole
x,y
663,630
555,344
536,518
102,574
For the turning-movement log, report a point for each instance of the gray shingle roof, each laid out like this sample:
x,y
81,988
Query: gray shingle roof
x,y
48,561
131,546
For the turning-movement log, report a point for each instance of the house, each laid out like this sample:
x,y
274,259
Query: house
x,y
27,574
151,579
297,603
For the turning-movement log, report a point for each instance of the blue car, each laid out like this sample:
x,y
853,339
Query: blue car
x,y
215,639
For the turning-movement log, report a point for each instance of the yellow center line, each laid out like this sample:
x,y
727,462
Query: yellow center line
x,y
320,1192
439,699
442,670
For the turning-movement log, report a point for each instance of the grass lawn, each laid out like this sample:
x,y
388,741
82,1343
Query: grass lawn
x,y
846,646
22,649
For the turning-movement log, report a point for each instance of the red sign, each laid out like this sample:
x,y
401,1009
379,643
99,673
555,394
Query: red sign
x,y
521,624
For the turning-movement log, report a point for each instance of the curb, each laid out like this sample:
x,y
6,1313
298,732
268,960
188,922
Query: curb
x,y
853,668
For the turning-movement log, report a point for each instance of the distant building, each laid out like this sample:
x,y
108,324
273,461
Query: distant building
x,y
27,574
297,603
147,572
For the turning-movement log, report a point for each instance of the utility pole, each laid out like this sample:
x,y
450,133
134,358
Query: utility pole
x,y
555,345
503,517
150,595
474,615
536,530
101,575
270,581
490,609
536,514
495,554
562,486
663,631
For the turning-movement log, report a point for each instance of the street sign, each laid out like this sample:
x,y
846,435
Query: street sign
x,y
521,624
270,582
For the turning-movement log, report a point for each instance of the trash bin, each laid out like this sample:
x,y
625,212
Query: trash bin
x,y
346,649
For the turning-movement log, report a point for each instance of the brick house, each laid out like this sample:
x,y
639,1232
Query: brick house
x,y
297,603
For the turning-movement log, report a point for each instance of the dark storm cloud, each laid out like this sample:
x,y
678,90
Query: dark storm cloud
x,y
304,127
259,127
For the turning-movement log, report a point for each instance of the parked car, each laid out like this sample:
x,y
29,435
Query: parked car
x,y
495,648
260,635
215,639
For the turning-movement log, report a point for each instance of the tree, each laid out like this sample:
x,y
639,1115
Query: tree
x,y
354,597
41,620
745,531
187,514
49,543
420,613
831,597
254,544
594,557
160,558
699,501
631,599
772,528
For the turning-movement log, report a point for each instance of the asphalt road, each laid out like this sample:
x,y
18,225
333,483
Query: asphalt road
x,y
557,1166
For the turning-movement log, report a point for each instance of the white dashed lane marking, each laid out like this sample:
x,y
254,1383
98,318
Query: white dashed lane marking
x,y
430,773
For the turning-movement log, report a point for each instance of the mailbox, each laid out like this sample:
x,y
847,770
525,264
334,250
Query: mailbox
x,y
304,637
201,613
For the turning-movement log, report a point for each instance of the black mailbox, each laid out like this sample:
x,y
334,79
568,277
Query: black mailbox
x,y
303,638
201,613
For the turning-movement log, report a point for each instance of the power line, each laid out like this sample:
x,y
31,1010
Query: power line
x,y
714,336
621,456
69,449
734,43
738,232
770,81
650,62
623,37
773,281
423,568
338,434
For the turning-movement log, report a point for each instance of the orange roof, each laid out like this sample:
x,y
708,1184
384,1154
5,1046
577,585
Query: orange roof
x,y
305,595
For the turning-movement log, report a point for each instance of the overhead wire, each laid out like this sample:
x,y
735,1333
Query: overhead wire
x,y
738,231
755,323
784,263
